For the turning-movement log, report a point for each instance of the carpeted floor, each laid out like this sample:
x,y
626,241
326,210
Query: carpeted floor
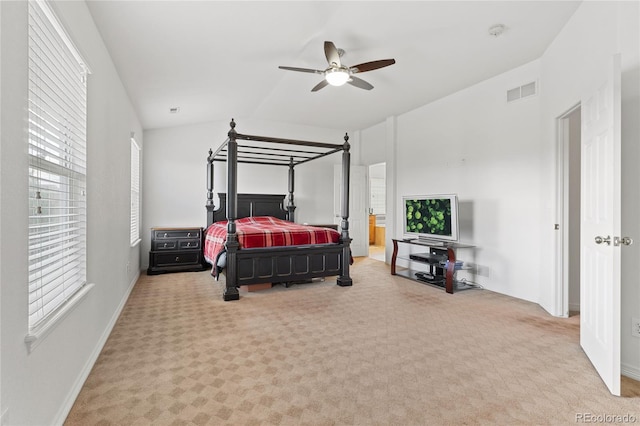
x,y
376,252
387,351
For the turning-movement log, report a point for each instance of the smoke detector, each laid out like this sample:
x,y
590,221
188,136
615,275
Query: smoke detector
x,y
497,30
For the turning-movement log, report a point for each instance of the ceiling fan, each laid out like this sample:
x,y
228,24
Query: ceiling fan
x,y
337,74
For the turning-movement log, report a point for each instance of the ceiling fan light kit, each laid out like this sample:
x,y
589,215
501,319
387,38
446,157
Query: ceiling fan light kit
x,y
336,77
337,74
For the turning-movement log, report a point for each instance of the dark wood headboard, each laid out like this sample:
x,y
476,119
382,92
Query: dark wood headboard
x,y
249,205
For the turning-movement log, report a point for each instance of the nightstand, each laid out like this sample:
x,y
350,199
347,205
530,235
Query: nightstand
x,y
176,250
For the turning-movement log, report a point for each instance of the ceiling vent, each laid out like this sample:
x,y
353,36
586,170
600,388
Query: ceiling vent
x,y
521,92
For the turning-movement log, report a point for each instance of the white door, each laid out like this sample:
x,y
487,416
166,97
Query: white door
x,y
600,225
358,215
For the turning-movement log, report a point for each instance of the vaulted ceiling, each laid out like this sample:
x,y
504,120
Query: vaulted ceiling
x,y
219,59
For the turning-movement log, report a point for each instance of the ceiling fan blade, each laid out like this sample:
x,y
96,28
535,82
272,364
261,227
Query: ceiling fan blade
x,y
358,82
301,70
320,85
331,52
373,65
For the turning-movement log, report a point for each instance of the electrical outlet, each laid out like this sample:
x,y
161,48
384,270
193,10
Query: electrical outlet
x,y
635,327
483,271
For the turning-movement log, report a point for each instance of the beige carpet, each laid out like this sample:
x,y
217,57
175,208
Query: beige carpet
x,y
376,252
387,351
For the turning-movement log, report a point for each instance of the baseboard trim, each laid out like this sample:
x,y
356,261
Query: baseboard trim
x,y
77,387
630,371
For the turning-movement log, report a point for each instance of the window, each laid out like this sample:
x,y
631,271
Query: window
x,y
135,193
57,152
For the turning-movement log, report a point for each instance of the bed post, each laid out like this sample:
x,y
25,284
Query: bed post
x,y
290,205
209,204
231,289
344,279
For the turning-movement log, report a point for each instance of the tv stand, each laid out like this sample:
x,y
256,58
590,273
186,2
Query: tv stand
x,y
429,243
437,274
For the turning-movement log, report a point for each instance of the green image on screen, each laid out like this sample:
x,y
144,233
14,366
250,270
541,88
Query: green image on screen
x,y
431,216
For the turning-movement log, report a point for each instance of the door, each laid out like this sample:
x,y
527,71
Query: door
x,y
358,214
600,226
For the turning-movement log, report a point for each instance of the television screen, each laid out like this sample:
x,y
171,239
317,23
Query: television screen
x,y
431,217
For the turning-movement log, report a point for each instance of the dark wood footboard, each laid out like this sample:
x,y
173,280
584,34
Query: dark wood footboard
x,y
283,264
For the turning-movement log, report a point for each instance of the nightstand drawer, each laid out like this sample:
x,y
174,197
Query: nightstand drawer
x,y
164,245
177,258
176,244
188,244
175,233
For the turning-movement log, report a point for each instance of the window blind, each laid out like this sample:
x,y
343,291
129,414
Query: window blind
x,y
135,192
57,165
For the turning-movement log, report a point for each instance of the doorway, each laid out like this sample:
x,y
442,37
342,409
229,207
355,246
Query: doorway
x,y
568,214
377,211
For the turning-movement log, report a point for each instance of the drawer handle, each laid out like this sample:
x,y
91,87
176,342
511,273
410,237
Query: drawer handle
x,y
165,235
165,244
188,244
177,258
188,234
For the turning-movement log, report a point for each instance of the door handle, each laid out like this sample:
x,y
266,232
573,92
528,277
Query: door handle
x,y
625,241
600,240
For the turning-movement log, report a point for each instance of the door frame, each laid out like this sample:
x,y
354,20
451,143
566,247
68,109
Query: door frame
x,y
358,218
369,178
562,213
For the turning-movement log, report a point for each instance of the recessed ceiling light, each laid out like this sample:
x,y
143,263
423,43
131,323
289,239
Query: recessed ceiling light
x,y
174,110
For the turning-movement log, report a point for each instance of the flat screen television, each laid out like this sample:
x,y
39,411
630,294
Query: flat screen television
x,y
431,217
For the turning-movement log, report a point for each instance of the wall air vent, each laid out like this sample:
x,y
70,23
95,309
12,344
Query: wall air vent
x,y
520,92
513,94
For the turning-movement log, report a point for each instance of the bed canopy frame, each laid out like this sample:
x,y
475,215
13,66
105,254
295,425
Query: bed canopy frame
x,y
275,264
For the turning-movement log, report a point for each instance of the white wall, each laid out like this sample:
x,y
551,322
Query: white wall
x,y
500,159
175,187
372,149
38,388
2,410
570,68
475,144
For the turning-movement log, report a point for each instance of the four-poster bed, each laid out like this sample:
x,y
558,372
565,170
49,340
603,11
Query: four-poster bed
x,y
309,252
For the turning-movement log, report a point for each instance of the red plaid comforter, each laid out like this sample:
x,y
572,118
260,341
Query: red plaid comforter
x,y
264,231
